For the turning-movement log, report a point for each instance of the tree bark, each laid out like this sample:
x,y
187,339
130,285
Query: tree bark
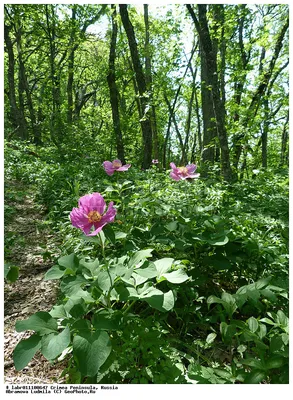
x,y
17,119
284,153
70,78
172,114
145,121
210,63
149,82
114,95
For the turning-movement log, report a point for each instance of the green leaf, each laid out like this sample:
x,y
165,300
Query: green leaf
x,y
163,265
262,331
109,233
25,351
267,321
221,241
213,299
58,312
275,362
162,302
227,331
211,337
72,284
52,345
172,226
6,269
12,274
75,306
262,282
282,319
105,280
147,270
177,276
40,322
127,293
91,351
120,235
255,377
70,261
138,280
254,363
252,324
81,326
139,256
54,273
107,320
285,338
92,266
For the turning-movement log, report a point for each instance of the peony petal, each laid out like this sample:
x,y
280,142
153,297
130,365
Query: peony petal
x,y
110,172
78,218
107,164
97,203
84,202
193,176
191,168
124,167
95,232
175,176
109,169
109,216
173,166
87,228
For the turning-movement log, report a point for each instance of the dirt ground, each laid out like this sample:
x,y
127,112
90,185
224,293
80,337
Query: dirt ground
x,y
30,293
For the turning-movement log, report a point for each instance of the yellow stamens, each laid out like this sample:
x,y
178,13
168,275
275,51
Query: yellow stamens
x,y
117,164
94,216
184,170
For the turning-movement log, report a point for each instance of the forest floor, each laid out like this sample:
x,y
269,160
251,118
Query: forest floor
x,y
27,236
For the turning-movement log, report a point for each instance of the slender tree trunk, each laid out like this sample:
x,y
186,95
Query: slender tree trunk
x,y
17,119
171,111
197,133
284,151
209,125
146,126
188,120
210,59
114,95
56,126
25,88
70,78
148,78
264,136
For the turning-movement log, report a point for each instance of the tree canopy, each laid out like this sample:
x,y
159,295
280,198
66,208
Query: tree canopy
x,y
205,84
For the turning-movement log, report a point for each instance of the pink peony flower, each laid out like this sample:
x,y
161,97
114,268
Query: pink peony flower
x,y
183,172
155,161
116,165
91,213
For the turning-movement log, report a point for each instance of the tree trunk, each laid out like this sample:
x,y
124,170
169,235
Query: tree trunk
x,y
56,126
210,63
17,119
114,95
141,84
264,136
70,78
25,88
284,152
172,114
188,121
148,78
